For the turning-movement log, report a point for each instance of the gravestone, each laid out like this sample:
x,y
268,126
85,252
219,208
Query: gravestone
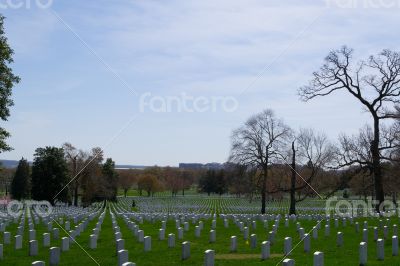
x,y
265,250
64,244
185,250
246,233
56,233
123,257
180,233
209,257
315,232
18,242
33,248
147,243
339,240
7,238
32,234
288,262
46,240
120,245
54,256
93,241
140,236
307,243
171,240
212,236
375,233
233,244
327,230
363,253
395,246
287,245
380,249
161,234
253,241
365,235
318,258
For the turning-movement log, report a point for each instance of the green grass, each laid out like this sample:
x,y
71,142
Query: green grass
x,y
162,255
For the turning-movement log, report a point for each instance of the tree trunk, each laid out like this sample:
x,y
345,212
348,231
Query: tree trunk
x,y
183,192
376,163
76,188
292,209
264,184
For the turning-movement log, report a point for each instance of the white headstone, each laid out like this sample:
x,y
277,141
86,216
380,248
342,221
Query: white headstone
x,y
93,241
339,240
318,258
209,257
185,250
120,245
32,234
307,243
161,234
363,253
265,250
287,245
288,262
253,241
395,246
64,244
140,236
147,243
212,236
365,235
233,244
171,240
46,239
123,257
7,238
180,233
33,248
38,263
18,242
380,249
54,256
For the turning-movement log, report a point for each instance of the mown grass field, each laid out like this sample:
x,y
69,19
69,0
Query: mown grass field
x,y
105,254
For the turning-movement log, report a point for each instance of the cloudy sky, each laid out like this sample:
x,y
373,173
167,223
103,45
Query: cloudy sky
x,y
163,82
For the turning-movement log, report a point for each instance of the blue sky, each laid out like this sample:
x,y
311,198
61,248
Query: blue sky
x,y
84,66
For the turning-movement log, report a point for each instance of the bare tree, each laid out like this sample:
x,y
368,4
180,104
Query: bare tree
x,y
258,143
310,154
72,157
374,83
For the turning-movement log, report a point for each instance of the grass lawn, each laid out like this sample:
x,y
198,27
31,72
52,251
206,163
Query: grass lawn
x,y
160,254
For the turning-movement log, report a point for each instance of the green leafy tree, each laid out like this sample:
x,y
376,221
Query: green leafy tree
x,y
20,186
49,175
207,182
111,179
7,81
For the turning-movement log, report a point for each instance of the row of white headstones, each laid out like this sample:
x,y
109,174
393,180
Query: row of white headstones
x,y
265,245
209,254
80,216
